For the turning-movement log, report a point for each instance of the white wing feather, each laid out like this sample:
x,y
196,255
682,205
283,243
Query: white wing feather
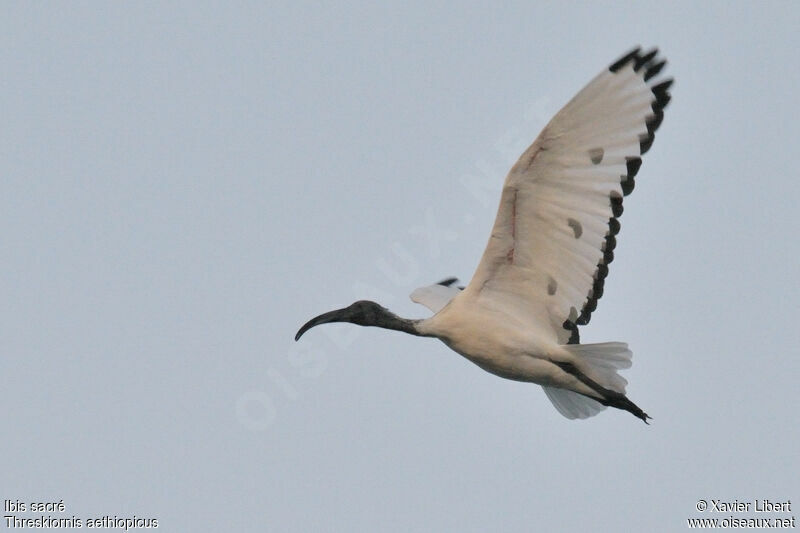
x,y
554,233
571,404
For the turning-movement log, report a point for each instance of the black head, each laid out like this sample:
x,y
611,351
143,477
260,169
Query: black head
x,y
362,312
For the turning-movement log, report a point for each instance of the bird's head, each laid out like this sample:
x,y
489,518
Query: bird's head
x,y
362,312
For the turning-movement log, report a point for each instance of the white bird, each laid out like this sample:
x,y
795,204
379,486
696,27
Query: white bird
x,y
543,269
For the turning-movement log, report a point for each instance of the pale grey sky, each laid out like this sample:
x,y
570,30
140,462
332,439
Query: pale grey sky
x,y
184,184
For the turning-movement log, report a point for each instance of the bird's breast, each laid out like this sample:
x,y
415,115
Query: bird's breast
x,y
496,343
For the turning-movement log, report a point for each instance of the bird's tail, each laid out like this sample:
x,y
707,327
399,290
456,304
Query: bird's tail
x,y
596,366
601,361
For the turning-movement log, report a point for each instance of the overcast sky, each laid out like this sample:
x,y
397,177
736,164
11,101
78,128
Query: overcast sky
x,y
183,184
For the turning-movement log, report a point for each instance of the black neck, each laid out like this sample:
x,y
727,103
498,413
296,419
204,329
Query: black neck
x,y
389,320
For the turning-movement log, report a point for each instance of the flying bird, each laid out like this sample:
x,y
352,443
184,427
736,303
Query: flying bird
x,y
543,269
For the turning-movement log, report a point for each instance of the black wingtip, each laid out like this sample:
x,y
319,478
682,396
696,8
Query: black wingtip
x,y
447,281
622,61
655,120
653,70
661,91
627,181
616,205
633,165
664,86
645,59
645,142
648,66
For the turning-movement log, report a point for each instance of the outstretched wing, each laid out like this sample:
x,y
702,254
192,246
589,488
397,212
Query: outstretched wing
x,y
554,234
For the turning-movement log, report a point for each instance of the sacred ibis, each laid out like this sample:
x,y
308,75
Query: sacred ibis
x,y
548,254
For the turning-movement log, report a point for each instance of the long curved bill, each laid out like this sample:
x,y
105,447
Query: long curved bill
x,y
337,315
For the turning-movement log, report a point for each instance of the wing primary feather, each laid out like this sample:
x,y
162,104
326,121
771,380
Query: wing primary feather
x,y
613,226
601,273
645,142
661,91
627,185
610,243
616,204
644,60
621,62
662,97
602,270
653,70
633,165
654,121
